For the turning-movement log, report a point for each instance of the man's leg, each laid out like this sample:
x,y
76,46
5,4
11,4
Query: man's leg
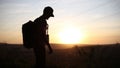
x,y
40,56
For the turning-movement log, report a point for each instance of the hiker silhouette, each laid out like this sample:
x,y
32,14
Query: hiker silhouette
x,y
41,37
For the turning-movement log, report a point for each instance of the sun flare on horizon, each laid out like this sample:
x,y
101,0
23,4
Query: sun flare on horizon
x,y
70,35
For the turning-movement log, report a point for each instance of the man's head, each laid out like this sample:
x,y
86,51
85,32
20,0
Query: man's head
x,y
48,12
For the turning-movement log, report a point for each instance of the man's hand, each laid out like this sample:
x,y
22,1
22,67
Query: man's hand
x,y
50,51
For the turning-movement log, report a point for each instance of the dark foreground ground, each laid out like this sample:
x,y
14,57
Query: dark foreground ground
x,y
97,56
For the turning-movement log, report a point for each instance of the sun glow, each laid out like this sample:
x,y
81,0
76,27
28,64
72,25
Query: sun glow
x,y
70,35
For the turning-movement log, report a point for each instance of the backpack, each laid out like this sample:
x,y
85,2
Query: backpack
x,y
27,33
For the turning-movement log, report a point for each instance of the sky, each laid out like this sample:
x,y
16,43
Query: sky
x,y
95,21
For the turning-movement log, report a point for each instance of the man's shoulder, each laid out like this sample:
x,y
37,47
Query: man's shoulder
x,y
40,20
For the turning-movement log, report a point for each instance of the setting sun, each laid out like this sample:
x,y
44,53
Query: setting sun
x,y
70,35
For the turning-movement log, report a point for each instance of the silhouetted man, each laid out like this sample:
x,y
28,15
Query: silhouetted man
x,y
42,37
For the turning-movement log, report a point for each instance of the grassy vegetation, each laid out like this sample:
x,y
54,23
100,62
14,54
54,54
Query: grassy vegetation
x,y
97,56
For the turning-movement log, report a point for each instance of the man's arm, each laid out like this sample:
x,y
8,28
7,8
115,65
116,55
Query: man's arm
x,y
50,49
48,44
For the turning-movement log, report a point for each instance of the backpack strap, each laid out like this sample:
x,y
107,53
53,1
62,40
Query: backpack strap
x,y
47,29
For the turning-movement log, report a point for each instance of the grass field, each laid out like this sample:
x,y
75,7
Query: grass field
x,y
91,56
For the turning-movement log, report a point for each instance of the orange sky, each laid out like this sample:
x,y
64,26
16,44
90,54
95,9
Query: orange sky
x,y
97,20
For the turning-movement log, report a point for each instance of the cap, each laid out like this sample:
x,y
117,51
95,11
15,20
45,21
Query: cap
x,y
48,10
